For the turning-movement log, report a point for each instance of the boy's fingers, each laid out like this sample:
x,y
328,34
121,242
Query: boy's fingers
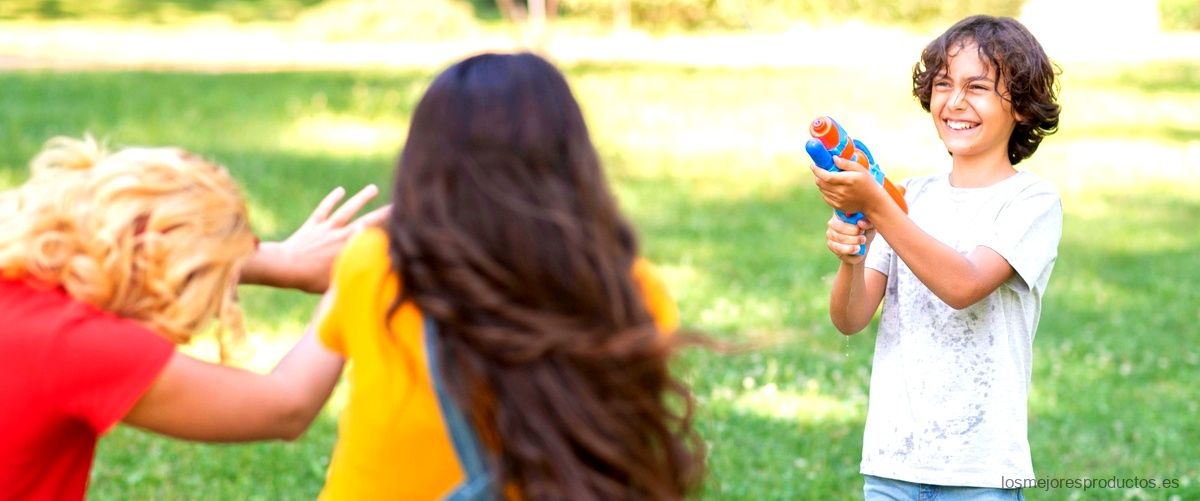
x,y
836,224
845,238
848,230
847,165
826,178
842,249
821,174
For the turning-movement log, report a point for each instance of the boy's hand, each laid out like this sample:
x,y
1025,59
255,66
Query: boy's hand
x,y
852,190
843,239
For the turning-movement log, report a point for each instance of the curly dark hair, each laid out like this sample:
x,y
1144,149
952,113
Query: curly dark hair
x,y
505,232
1020,63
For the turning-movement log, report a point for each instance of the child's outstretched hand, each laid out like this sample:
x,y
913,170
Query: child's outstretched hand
x,y
303,261
843,239
852,190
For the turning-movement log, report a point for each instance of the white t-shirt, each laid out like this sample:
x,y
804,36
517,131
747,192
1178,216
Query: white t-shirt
x,y
950,388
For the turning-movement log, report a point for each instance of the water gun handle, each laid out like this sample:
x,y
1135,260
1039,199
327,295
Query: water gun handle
x,y
823,159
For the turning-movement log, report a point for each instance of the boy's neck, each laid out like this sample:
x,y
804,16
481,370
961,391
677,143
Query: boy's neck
x,y
980,172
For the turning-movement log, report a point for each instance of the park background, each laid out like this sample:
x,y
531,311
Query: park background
x,y
699,109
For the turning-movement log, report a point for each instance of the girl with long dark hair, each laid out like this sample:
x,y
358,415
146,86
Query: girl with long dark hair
x,y
505,338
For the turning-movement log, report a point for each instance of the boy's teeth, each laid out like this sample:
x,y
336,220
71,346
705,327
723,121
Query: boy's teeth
x,y
958,125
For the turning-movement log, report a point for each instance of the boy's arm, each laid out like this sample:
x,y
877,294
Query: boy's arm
x,y
959,281
196,400
857,290
856,294
304,259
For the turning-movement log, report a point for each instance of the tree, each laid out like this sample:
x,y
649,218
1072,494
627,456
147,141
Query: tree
x,y
531,17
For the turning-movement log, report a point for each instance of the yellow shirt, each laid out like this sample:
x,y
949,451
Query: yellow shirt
x,y
392,442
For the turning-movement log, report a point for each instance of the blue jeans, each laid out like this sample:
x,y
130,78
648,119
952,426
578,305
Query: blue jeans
x,y
881,489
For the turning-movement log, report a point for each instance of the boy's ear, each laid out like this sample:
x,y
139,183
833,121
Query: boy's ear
x,y
1013,109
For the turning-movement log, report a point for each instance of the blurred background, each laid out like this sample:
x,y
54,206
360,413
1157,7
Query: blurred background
x,y
699,109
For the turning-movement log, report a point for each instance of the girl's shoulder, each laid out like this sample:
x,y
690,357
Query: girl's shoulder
x,y
365,257
365,248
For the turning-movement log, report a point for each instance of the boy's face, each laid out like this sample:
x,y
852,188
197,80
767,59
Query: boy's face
x,y
972,119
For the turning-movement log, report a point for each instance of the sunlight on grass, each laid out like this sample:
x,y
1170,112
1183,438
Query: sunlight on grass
x,y
258,351
728,311
684,276
326,133
1086,165
809,406
12,177
1152,208
262,218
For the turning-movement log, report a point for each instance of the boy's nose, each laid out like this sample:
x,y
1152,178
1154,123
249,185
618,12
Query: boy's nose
x,y
958,101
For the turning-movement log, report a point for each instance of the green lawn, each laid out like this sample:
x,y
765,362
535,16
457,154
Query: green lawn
x,y
710,166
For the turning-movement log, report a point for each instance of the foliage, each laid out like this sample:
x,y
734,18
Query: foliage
x,y
752,13
1180,14
153,10
387,19
422,19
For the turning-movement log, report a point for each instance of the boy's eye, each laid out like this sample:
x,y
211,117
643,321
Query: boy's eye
x,y
941,85
978,87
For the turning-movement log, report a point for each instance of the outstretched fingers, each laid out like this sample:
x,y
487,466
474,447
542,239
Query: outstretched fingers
x,y
347,211
321,213
376,217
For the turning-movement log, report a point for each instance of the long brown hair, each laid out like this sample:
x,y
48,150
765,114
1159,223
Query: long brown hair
x,y
504,231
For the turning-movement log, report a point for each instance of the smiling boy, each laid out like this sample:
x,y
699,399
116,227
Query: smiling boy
x,y
961,276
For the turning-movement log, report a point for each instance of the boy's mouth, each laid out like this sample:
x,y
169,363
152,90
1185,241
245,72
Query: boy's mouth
x,y
959,125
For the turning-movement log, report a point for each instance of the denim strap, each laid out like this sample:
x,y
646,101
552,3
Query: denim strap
x,y
477,485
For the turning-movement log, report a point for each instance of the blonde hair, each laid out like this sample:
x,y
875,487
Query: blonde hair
x,y
156,235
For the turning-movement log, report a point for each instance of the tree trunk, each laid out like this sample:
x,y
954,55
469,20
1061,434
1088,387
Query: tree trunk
x,y
622,17
511,11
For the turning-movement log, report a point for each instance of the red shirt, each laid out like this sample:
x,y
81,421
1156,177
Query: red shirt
x,y
68,373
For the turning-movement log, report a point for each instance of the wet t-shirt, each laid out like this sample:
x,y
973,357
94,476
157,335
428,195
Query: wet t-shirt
x,y
949,388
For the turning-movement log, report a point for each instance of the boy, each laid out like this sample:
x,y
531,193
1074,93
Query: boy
x,y
963,273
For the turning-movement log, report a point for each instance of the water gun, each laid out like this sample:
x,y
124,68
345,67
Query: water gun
x,y
829,140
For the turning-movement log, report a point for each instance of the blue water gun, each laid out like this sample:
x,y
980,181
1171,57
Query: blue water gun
x,y
830,140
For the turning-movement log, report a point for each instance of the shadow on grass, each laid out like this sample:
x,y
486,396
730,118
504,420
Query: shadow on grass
x,y
245,121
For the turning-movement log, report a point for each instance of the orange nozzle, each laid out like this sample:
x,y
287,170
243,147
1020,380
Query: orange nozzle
x,y
825,130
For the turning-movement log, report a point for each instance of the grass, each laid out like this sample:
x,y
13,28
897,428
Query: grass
x,y
709,165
